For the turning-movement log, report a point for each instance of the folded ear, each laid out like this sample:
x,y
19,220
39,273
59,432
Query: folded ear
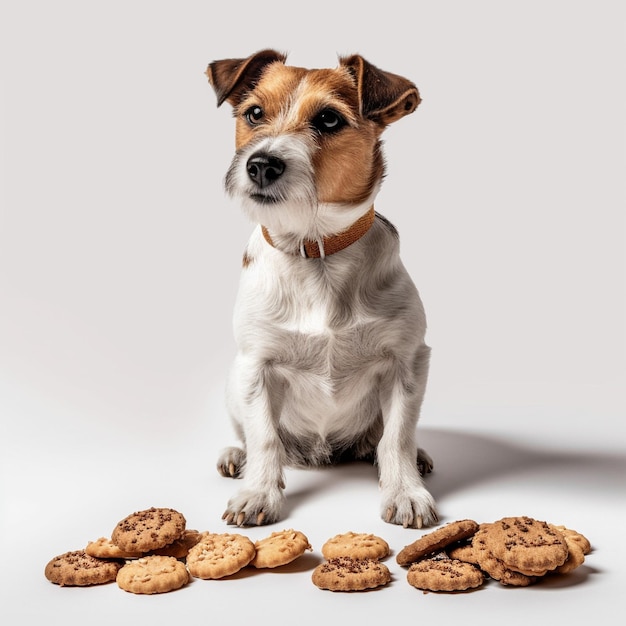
x,y
232,78
384,97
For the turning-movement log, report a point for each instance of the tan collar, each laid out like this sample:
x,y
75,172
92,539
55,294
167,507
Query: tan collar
x,y
334,243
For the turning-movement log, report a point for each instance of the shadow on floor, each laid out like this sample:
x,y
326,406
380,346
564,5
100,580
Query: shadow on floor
x,y
465,460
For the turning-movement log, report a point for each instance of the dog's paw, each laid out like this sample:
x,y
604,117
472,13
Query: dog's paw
x,y
254,508
232,462
424,462
412,509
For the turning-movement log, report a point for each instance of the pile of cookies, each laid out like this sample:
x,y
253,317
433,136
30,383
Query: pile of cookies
x,y
515,551
152,551
352,563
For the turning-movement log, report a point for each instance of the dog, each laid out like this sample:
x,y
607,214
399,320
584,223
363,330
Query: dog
x,y
331,363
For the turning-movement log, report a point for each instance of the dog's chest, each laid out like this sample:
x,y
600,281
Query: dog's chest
x,y
311,327
326,374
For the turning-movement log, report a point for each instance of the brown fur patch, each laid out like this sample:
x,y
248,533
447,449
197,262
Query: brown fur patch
x,y
290,98
247,260
357,147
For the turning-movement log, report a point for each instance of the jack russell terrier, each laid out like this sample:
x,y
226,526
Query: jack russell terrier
x,y
331,363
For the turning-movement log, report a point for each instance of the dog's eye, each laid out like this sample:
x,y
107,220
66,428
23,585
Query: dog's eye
x,y
254,115
328,121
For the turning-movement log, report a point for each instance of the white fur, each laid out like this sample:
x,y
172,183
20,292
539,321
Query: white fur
x,y
322,359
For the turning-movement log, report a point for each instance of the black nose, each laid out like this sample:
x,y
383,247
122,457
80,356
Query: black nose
x,y
264,169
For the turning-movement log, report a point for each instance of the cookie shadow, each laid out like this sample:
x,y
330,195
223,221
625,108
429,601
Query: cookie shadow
x,y
577,577
304,563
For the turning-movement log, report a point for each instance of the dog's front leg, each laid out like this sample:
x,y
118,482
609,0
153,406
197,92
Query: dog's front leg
x,y
405,500
260,499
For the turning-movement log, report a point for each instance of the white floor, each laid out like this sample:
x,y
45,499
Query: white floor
x,y
75,482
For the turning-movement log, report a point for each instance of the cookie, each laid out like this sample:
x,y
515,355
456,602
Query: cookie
x,y
497,570
356,545
575,556
577,537
444,575
153,574
148,530
463,551
280,548
219,555
436,540
104,548
345,573
494,567
180,548
526,545
77,568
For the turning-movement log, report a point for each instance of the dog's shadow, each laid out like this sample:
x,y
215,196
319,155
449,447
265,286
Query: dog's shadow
x,y
464,460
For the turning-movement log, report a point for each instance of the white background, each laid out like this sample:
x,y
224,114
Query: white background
x,y
119,261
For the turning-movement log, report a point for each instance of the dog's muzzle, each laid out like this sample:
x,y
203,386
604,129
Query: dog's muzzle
x,y
272,172
264,169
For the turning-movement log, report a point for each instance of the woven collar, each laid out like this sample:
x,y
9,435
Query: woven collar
x,y
329,245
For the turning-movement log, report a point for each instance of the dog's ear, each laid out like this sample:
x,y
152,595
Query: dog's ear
x,y
232,78
384,97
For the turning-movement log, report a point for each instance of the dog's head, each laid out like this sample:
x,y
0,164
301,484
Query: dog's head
x,y
308,156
